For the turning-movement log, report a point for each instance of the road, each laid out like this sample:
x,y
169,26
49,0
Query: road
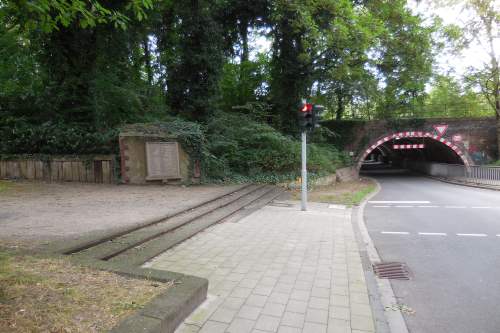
x,y
449,236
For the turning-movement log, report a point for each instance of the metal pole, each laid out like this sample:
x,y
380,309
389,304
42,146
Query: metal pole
x,y
304,172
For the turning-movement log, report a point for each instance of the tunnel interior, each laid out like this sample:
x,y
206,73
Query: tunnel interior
x,y
396,151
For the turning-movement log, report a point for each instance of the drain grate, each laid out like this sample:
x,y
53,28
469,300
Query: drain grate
x,y
391,270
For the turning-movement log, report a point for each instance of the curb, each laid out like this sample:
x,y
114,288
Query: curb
x,y
168,310
165,311
381,293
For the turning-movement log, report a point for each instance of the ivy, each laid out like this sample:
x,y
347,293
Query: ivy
x,y
21,137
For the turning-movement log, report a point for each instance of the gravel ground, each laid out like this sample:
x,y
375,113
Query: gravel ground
x,y
33,213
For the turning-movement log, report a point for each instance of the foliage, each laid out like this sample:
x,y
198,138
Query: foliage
x,y
482,27
189,134
19,136
339,51
485,25
195,68
239,145
448,99
242,84
50,15
405,61
358,59
293,31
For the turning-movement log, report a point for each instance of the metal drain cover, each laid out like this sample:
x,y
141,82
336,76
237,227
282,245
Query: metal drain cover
x,y
391,270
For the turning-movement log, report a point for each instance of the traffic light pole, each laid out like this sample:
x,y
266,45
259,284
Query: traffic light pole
x,y
304,172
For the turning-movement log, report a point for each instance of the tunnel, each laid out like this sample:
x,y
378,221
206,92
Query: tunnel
x,y
399,150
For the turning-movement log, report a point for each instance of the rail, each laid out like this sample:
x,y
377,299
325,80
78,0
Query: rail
x,y
475,174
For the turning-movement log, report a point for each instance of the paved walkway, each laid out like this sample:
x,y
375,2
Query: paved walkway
x,y
277,270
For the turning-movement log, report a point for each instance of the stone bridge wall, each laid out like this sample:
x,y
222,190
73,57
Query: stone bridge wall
x,y
476,136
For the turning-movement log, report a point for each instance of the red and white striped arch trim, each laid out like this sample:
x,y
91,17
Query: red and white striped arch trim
x,y
414,134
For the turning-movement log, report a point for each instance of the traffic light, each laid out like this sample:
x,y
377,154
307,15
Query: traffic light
x,y
306,116
318,113
310,115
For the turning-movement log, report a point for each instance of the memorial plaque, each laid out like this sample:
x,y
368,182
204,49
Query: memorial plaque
x,y
162,160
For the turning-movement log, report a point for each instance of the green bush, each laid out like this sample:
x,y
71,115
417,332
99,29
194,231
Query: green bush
x,y
238,146
21,137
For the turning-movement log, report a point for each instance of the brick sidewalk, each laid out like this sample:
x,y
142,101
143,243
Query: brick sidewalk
x,y
277,270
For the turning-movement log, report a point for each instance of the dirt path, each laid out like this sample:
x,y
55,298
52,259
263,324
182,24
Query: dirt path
x,y
34,213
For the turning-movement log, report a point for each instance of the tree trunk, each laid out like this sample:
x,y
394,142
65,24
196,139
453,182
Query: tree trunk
x,y
243,27
147,60
340,105
497,105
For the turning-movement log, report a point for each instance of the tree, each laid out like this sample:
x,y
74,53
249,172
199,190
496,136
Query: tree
x,y
243,84
97,64
487,79
71,57
404,57
192,48
448,98
51,15
368,55
342,66
291,64
482,27
241,17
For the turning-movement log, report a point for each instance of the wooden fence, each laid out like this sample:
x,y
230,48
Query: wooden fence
x,y
95,169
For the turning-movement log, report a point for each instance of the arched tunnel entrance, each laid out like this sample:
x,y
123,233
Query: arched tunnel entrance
x,y
397,150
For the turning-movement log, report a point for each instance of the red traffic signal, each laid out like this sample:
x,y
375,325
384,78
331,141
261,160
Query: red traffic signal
x,y
306,115
306,107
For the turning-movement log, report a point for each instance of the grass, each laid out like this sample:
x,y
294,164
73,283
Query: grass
x,y
497,163
349,199
53,295
4,185
348,193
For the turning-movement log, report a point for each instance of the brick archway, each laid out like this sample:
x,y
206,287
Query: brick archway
x,y
414,134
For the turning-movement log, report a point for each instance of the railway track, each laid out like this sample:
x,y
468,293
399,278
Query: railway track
x,y
139,244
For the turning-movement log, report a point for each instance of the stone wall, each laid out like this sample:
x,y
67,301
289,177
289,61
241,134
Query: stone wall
x,y
134,160
477,135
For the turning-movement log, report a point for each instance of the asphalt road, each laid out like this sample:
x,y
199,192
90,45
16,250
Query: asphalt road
x,y
449,236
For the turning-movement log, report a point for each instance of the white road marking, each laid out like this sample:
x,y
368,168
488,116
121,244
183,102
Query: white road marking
x,y
433,233
498,235
425,206
336,206
473,235
399,202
